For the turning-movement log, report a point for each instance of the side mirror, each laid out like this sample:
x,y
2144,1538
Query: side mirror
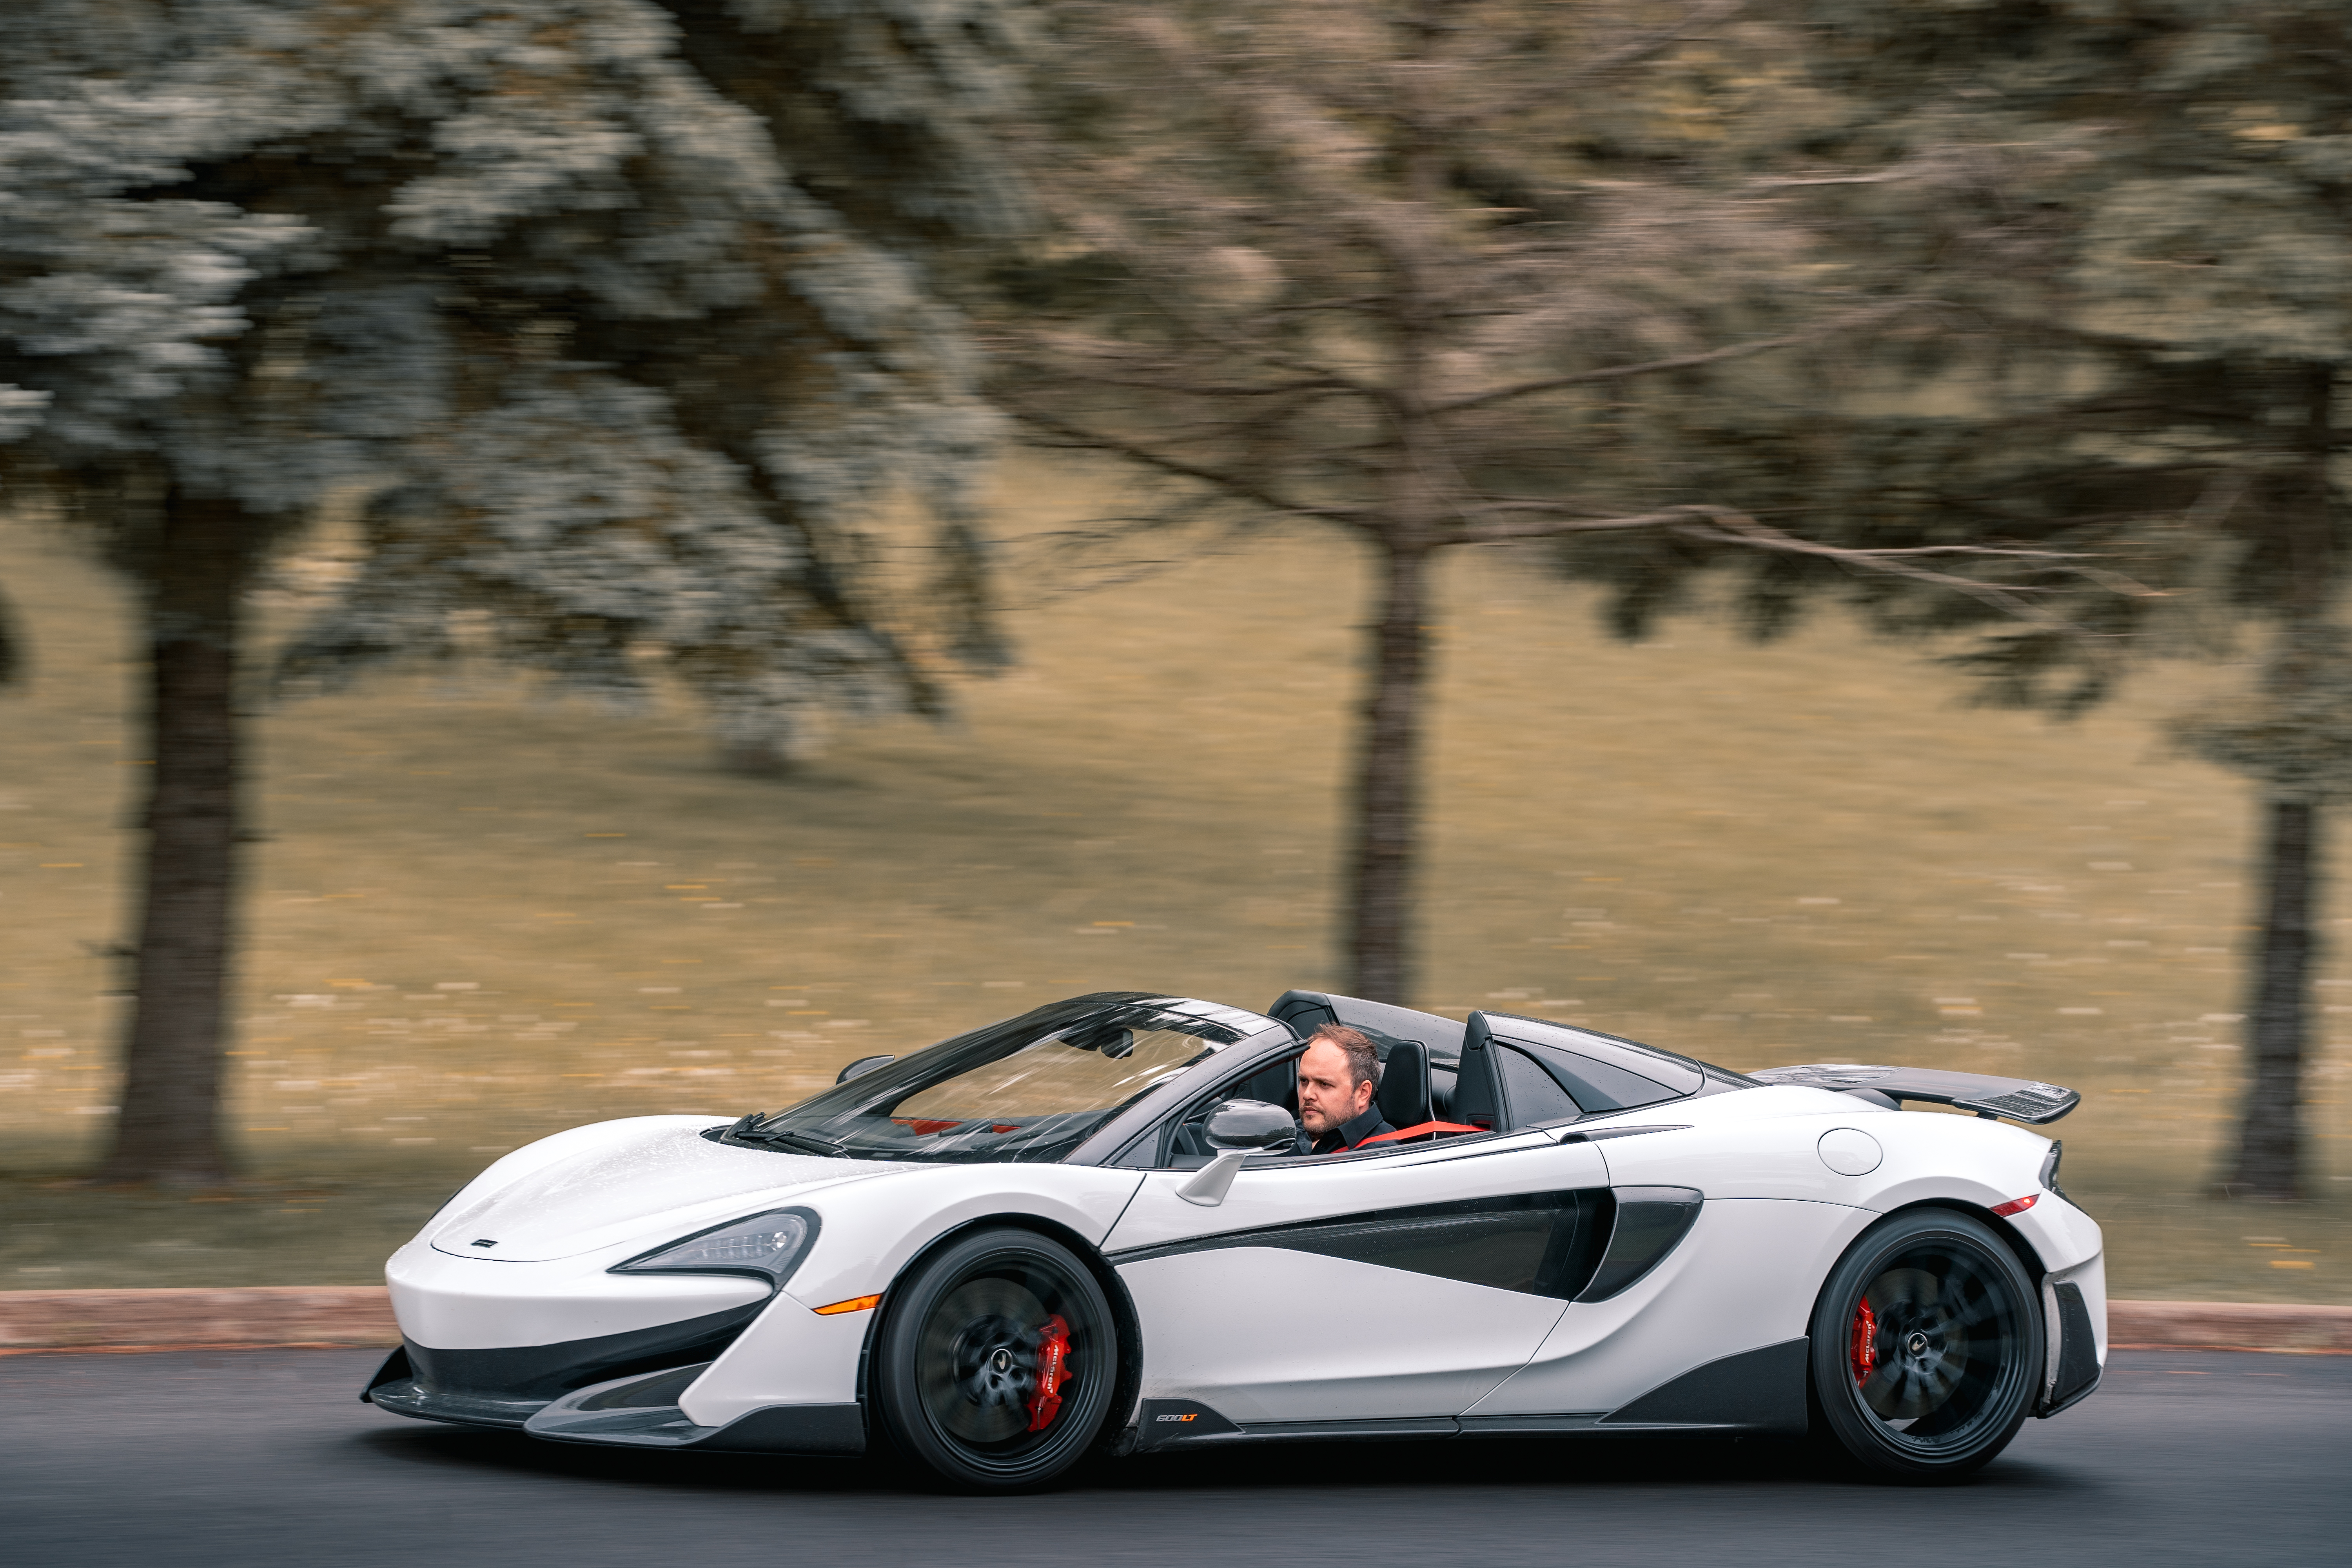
x,y
1237,1129
863,1065
1249,1124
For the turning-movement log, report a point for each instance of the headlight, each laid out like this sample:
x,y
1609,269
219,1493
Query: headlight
x,y
765,1246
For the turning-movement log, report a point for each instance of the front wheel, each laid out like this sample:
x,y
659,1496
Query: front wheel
x,y
1926,1347
995,1362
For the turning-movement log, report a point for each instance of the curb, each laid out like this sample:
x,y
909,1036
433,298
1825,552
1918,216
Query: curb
x,y
2229,1326
189,1319
360,1315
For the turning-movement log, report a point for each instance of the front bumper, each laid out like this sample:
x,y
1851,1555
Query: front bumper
x,y
506,1385
499,1344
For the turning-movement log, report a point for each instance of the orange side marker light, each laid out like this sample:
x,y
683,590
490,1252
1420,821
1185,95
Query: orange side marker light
x,y
854,1304
2018,1205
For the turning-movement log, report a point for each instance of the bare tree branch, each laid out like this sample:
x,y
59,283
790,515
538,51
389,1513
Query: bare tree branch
x,y
1569,518
1076,371
1694,21
1135,451
1659,366
1723,526
1698,20
1734,528
1563,527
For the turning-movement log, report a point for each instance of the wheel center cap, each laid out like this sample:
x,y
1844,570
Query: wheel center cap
x,y
1001,1362
1917,1344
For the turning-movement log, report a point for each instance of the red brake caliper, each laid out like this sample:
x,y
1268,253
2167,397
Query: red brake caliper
x,y
1053,1357
1865,1342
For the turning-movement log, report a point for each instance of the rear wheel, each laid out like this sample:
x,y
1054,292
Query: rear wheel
x,y
1926,1347
995,1362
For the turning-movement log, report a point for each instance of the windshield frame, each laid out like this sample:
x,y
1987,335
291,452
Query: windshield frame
x,y
796,1129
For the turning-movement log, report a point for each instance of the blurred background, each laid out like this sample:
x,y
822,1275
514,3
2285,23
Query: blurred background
x,y
585,558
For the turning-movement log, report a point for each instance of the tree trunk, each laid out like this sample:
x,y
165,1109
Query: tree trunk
x,y
168,1129
2269,1162
11,649
1386,796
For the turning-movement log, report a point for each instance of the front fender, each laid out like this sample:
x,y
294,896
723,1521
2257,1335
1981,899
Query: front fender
x,y
871,1230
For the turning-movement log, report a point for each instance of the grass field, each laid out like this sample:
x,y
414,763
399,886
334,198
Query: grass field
x,y
478,917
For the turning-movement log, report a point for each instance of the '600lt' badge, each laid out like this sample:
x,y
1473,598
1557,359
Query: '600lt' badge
x,y
1169,1421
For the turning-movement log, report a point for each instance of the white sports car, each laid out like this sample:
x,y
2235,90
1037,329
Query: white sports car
x,y
1092,1227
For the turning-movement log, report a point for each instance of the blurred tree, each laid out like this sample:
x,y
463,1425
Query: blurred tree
x,y
1377,264
12,653
2130,217
2177,345
616,309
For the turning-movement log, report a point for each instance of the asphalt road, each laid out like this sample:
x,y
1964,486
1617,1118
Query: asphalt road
x,y
258,1457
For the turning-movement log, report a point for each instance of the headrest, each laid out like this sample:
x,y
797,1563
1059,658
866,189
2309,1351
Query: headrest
x,y
1478,1088
1404,1092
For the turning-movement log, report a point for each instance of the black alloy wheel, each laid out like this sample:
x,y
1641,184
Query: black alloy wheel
x,y
995,1362
1928,1347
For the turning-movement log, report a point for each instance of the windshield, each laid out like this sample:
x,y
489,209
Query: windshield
x,y
1031,1088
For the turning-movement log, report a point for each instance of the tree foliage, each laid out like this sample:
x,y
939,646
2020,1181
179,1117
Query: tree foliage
x,y
1396,267
2124,225
618,310
622,365
2186,327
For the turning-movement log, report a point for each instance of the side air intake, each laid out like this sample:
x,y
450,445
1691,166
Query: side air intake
x,y
1650,1221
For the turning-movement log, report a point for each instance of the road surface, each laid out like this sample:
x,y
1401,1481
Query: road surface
x,y
254,1459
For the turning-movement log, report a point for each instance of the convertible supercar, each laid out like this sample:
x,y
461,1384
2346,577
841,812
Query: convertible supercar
x,y
1093,1227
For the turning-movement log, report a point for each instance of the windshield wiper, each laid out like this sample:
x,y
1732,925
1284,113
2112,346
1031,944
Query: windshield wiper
x,y
806,1142
748,1130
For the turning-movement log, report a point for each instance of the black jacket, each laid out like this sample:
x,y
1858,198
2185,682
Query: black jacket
x,y
1348,1134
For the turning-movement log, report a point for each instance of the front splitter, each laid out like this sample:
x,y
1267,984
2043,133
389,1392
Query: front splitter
x,y
639,1411
642,1413
402,1396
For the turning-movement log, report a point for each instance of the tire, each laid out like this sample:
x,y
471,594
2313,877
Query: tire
x,y
1927,1348
957,1363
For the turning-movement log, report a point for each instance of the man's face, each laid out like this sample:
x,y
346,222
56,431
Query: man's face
x,y
1326,1099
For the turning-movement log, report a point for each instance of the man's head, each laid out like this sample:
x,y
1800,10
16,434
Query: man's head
x,y
1335,1077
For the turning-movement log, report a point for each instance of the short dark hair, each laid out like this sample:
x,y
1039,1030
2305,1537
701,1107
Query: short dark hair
x,y
1363,1057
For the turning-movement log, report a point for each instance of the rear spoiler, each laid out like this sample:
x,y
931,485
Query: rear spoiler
x,y
2020,1100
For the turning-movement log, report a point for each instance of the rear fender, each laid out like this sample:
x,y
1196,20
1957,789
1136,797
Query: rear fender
x,y
2084,1278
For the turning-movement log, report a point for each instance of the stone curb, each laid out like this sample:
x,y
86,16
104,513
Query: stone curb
x,y
2229,1326
191,1317
188,1319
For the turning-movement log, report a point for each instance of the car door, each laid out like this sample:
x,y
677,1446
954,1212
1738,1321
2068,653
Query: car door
x,y
1719,1242
1704,1319
1397,1286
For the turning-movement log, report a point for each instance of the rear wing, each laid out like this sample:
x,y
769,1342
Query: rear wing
x,y
2018,1099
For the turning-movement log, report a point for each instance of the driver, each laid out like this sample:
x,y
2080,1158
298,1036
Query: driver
x,y
1336,1075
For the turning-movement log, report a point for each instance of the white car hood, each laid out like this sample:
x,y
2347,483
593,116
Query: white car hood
x,y
615,1192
